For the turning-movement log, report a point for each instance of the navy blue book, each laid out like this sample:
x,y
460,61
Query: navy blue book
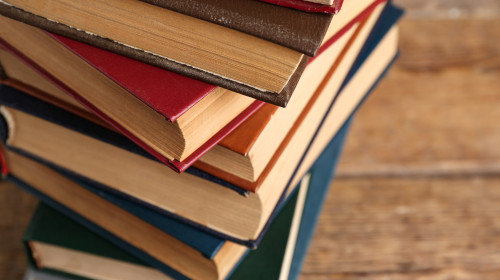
x,y
210,239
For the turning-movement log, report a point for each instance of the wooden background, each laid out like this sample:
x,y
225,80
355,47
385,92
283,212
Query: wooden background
x,y
417,194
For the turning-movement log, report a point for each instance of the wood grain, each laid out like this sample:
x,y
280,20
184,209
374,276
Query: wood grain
x,y
424,9
437,110
379,228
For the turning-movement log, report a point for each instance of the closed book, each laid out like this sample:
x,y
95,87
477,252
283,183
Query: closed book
x,y
261,19
57,243
235,204
174,118
187,45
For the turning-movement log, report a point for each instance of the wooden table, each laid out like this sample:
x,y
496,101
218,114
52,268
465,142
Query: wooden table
x,y
417,194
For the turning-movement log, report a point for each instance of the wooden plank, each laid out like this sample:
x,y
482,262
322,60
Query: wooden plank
x,y
379,228
436,113
424,9
437,45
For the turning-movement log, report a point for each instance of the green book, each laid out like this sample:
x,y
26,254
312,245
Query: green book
x,y
60,246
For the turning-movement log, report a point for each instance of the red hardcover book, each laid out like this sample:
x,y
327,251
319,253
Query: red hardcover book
x,y
171,97
169,94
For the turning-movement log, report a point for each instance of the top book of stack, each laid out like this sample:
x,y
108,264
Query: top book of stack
x,y
251,47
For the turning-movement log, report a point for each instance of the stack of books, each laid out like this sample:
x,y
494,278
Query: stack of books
x,y
191,139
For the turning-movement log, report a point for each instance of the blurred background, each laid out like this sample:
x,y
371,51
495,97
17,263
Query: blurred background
x,y
417,193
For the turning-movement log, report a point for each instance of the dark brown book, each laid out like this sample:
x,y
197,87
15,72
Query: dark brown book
x,y
291,28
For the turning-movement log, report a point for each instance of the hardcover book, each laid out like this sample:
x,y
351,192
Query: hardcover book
x,y
174,118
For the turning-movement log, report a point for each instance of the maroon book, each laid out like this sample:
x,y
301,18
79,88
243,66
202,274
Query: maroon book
x,y
171,98
168,93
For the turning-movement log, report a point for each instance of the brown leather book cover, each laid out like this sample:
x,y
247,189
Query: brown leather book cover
x,y
280,99
295,29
